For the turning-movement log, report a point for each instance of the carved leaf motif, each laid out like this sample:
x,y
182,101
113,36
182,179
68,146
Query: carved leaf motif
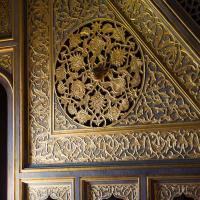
x,y
100,73
164,43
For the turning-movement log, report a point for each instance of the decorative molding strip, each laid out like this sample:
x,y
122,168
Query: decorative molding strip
x,y
181,144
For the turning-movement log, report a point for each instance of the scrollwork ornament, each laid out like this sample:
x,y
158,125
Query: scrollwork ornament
x,y
123,146
42,192
99,68
6,62
168,191
121,191
164,44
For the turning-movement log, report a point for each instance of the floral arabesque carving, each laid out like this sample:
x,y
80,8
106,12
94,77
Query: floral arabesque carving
x,y
165,45
168,191
99,74
46,149
120,191
130,146
41,192
6,62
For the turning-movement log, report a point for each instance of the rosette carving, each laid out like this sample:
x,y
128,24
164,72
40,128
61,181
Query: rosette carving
x,y
99,74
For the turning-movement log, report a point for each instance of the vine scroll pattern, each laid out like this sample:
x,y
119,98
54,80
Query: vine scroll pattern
x,y
123,146
41,192
164,44
119,191
168,191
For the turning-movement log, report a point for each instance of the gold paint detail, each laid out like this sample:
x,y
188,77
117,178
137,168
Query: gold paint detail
x,y
160,101
5,28
6,61
55,191
180,144
168,191
70,14
39,84
122,191
99,74
164,44
120,146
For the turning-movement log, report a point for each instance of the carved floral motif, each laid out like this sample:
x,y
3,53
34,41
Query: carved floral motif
x,y
168,191
6,61
97,74
41,192
131,145
116,147
120,191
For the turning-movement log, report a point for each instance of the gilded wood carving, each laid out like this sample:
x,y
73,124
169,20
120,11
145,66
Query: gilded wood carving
x,y
119,191
6,61
99,74
5,28
175,57
168,191
41,192
150,98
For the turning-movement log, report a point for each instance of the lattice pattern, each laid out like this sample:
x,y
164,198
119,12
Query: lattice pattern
x,y
99,74
192,7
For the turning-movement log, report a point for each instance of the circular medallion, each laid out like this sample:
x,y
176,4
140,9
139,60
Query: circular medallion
x,y
99,74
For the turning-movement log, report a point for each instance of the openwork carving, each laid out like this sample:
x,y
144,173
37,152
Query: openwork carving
x,y
192,7
99,74
164,44
41,192
6,61
117,191
169,191
123,146
5,18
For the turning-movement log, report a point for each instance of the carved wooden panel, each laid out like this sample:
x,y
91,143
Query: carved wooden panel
x,y
110,188
96,76
148,22
164,188
6,60
5,19
49,189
